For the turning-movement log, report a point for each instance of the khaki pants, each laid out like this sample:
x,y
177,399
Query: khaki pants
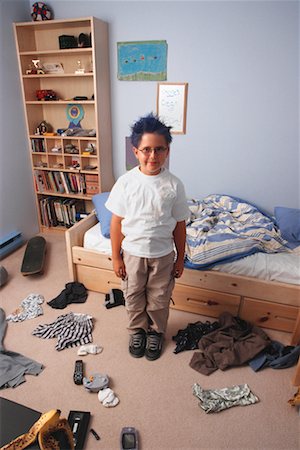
x,y
147,290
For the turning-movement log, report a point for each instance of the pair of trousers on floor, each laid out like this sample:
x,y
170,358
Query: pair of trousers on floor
x,y
147,290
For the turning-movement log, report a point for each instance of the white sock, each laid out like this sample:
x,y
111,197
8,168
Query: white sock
x,y
92,349
107,398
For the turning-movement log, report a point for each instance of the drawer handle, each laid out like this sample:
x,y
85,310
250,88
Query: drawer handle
x,y
263,319
212,303
204,302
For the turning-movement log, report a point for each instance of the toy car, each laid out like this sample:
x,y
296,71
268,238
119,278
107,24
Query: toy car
x,y
129,439
46,94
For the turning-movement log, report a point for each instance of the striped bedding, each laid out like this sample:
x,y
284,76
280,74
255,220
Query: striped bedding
x,y
223,228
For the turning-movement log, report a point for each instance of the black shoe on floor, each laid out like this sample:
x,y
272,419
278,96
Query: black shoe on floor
x,y
137,344
154,345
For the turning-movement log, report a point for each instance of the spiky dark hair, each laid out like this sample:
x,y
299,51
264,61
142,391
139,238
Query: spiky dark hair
x,y
149,124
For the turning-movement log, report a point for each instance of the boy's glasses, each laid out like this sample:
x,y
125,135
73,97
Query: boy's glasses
x,y
156,150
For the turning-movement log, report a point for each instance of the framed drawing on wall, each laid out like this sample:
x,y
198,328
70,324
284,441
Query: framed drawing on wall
x,y
172,104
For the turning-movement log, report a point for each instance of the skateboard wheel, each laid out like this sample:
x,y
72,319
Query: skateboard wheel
x,y
3,276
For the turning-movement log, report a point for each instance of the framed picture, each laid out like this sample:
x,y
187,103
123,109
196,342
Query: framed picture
x,y
142,61
172,104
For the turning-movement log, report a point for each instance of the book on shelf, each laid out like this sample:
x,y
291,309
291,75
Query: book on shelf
x,y
60,212
38,145
59,182
64,182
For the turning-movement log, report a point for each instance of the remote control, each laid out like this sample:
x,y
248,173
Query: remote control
x,y
78,372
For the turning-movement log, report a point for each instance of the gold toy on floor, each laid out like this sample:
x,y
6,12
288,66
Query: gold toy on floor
x,y
295,401
51,432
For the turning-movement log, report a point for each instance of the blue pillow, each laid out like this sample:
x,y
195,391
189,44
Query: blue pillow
x,y
288,220
103,214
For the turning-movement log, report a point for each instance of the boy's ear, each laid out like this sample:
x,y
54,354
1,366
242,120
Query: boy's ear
x,y
135,151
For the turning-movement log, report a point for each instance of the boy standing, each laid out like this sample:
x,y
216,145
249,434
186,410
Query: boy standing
x,y
149,210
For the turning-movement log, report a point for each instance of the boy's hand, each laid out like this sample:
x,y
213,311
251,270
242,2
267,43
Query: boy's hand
x,y
119,267
178,269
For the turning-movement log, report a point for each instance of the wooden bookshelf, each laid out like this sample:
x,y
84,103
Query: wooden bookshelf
x,y
66,166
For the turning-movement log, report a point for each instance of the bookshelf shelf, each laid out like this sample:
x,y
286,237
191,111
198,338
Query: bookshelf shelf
x,y
68,167
58,75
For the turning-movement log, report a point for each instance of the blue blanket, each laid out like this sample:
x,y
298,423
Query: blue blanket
x,y
222,229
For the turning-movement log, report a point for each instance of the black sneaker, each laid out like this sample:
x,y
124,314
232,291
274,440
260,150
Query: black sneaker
x,y
137,344
154,345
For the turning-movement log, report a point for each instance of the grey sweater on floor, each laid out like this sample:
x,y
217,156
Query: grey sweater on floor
x,y
13,366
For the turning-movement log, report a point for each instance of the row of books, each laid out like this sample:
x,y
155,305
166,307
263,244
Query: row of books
x,y
38,145
61,212
62,182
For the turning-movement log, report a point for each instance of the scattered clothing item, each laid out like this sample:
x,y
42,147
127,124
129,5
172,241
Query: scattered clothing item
x,y
234,343
108,398
114,298
71,330
92,349
74,292
216,400
96,382
29,308
276,356
188,338
295,401
13,366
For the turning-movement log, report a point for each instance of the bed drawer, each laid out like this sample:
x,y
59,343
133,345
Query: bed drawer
x,y
91,258
268,314
99,280
203,301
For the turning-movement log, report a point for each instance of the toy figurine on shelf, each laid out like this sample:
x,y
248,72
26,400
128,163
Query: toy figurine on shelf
x,y
42,129
35,68
80,69
56,149
41,11
46,95
89,150
71,149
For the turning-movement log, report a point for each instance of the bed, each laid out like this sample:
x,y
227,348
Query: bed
x,y
268,303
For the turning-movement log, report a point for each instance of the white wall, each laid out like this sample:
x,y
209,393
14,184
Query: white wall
x,y
17,205
240,59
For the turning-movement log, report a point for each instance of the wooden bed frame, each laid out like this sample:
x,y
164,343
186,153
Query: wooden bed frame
x,y
267,304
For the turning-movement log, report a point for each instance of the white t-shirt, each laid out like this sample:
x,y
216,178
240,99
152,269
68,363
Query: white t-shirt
x,y
151,206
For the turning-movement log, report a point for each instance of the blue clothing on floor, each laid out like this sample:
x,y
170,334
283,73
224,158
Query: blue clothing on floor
x,y
276,356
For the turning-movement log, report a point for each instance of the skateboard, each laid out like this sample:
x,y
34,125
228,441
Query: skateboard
x,y
34,256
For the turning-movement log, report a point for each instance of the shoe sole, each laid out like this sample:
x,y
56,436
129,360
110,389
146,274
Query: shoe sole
x,y
28,438
152,357
137,356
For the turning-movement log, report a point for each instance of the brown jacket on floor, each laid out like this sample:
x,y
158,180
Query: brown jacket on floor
x,y
233,344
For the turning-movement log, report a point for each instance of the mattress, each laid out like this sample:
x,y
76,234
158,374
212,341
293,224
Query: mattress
x,y
282,267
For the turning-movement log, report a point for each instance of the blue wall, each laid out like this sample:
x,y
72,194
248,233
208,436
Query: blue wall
x,y
241,62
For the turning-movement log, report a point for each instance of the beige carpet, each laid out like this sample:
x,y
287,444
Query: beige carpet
x,y
155,397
